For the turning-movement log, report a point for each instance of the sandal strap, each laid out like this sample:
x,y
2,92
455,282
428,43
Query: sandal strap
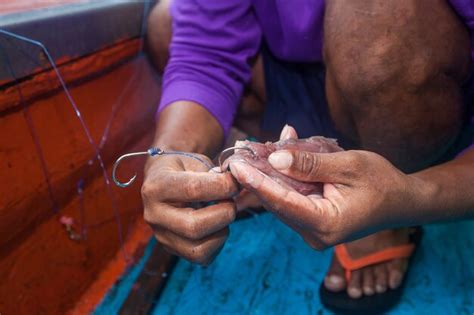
x,y
350,264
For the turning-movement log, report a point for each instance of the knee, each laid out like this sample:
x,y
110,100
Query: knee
x,y
159,34
380,70
409,57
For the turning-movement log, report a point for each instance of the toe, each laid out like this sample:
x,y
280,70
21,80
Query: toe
x,y
335,280
354,288
396,270
380,273
368,281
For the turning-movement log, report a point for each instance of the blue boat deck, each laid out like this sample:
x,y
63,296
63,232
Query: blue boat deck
x,y
266,268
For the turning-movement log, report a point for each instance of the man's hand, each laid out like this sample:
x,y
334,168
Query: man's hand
x,y
172,186
363,192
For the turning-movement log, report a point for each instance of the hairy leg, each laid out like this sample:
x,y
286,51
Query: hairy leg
x,y
394,70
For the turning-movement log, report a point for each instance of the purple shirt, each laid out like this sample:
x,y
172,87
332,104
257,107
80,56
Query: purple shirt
x,y
213,41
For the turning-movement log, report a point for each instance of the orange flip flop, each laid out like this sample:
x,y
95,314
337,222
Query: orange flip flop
x,y
377,303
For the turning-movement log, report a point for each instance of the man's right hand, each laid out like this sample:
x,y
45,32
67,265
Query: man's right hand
x,y
172,185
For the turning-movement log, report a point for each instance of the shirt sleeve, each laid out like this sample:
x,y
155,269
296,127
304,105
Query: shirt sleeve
x,y
210,52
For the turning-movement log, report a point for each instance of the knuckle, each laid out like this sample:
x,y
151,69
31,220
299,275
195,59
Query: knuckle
x,y
159,239
199,254
191,228
354,162
314,243
229,185
326,241
151,189
352,157
330,236
147,217
231,211
308,163
192,188
323,245
146,190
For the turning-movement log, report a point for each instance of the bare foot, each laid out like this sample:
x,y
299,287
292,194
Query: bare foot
x,y
373,279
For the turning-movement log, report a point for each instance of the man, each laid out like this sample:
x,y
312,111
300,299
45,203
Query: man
x,y
390,78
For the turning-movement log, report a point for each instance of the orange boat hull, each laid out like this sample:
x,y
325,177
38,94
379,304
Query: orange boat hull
x,y
43,268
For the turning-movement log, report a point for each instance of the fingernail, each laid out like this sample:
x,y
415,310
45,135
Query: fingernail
x,y
280,160
241,172
284,132
236,167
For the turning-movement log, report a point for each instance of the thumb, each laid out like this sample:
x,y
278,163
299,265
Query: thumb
x,y
306,166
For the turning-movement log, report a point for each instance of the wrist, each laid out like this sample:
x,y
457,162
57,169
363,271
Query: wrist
x,y
187,126
423,194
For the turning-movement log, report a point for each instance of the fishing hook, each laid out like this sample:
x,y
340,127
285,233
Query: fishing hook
x,y
233,148
150,152
158,151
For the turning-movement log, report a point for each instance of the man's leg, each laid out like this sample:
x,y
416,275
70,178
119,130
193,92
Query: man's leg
x,y
394,70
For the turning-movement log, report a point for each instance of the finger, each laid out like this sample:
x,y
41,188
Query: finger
x,y
202,251
185,186
282,201
288,132
190,223
174,162
241,143
246,199
305,166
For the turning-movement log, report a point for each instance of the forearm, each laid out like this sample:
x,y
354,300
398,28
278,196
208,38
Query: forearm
x,y
187,126
445,192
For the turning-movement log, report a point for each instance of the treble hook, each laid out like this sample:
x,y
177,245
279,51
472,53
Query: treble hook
x,y
150,152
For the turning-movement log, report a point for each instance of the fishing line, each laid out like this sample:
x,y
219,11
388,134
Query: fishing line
x,y
34,135
137,70
83,125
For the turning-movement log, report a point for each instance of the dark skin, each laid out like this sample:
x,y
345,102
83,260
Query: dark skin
x,y
173,182
394,91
